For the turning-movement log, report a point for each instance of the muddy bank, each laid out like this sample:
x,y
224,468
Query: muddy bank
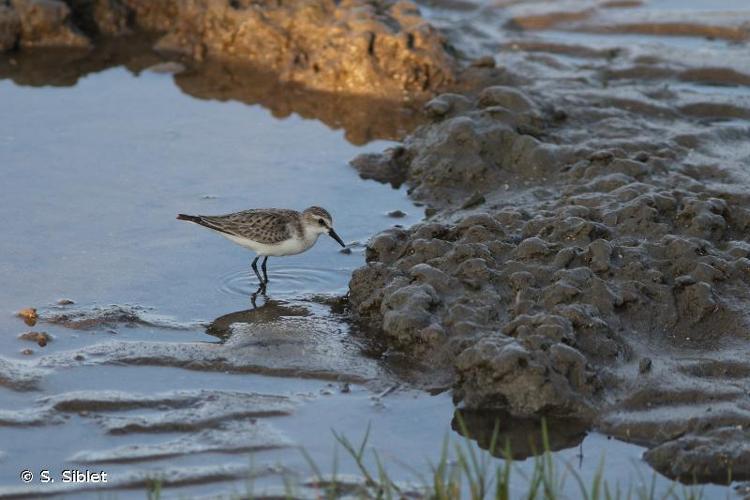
x,y
265,341
373,48
585,252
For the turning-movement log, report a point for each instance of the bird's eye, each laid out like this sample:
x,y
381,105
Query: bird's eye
x,y
321,222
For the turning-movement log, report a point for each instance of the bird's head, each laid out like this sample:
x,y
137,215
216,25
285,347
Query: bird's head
x,y
318,221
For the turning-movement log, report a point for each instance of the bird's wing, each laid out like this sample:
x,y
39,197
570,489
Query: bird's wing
x,y
267,226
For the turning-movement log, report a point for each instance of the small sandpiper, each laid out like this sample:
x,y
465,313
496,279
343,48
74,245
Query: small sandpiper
x,y
270,231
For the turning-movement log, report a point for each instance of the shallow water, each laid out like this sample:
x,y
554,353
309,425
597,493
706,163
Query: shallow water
x,y
93,176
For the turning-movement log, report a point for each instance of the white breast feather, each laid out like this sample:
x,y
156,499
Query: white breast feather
x,y
291,246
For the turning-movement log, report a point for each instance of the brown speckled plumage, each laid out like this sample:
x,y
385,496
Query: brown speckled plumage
x,y
264,225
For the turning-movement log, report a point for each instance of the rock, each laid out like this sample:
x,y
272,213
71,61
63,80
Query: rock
x,y
357,47
29,316
507,97
446,104
499,372
47,23
360,47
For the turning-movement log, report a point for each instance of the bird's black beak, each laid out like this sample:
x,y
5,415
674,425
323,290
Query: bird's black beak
x,y
335,236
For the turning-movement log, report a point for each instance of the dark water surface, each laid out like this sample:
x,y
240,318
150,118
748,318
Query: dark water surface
x,y
92,177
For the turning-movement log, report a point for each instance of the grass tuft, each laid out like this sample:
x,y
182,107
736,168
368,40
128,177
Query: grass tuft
x,y
464,471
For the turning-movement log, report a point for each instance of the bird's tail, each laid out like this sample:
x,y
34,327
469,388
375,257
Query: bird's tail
x,y
191,218
202,221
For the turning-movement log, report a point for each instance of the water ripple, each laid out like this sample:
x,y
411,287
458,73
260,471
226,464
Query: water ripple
x,y
285,280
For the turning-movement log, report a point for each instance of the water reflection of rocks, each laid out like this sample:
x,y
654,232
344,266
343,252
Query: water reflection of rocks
x,y
363,119
271,310
522,437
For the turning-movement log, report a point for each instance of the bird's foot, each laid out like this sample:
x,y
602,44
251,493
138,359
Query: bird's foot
x,y
254,296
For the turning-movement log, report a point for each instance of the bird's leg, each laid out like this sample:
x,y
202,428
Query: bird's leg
x,y
263,266
254,296
255,268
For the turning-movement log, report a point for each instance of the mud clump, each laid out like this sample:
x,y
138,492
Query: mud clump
x,y
360,47
28,315
41,338
718,456
113,316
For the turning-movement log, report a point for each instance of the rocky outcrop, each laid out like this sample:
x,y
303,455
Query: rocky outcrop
x,y
355,46
46,23
359,47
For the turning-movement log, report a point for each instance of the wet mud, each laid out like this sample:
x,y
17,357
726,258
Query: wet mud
x,y
267,340
111,317
585,250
